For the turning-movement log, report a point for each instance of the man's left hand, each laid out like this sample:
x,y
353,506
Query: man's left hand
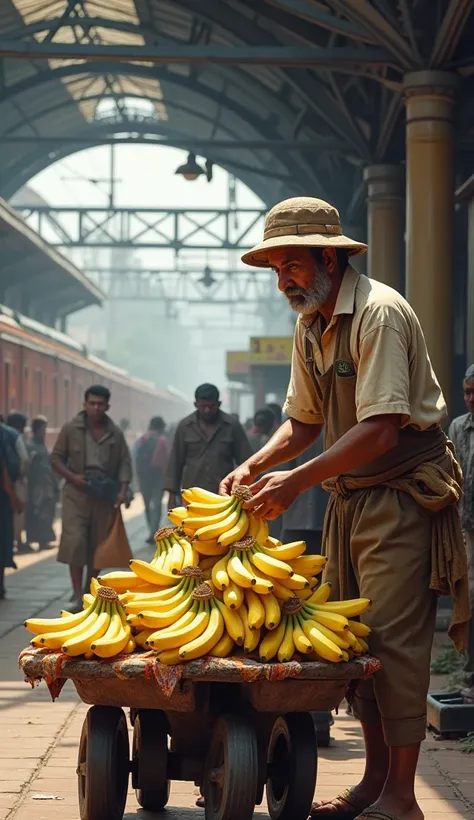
x,y
273,493
122,498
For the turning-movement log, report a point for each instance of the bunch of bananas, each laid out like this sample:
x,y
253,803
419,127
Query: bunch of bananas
x,y
100,629
217,581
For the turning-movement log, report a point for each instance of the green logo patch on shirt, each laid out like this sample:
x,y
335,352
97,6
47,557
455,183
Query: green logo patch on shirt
x,y
344,369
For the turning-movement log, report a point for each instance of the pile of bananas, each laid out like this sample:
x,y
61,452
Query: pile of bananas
x,y
217,581
101,628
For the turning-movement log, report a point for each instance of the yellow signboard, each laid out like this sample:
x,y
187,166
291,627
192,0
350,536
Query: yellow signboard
x,y
271,350
237,362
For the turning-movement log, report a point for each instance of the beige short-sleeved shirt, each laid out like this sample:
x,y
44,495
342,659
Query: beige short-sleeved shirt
x,y
394,371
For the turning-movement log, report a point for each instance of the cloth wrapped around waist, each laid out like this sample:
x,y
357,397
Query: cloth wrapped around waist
x,y
436,485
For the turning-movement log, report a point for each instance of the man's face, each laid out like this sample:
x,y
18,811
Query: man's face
x,y
207,410
305,282
95,407
468,387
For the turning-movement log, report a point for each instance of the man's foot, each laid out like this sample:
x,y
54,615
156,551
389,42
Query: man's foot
x,y
23,549
200,802
346,806
392,808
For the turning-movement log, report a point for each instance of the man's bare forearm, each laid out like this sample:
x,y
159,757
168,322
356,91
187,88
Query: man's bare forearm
x,y
291,439
60,468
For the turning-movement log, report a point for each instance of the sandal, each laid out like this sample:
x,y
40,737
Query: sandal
x,y
200,802
352,807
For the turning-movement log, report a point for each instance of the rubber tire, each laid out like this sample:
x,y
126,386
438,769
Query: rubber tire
x,y
104,760
233,748
150,757
323,736
292,767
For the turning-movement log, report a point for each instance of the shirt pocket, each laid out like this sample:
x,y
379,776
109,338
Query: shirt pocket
x,y
193,444
225,446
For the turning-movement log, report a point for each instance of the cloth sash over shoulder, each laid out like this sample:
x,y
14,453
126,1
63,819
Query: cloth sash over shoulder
x,y
436,485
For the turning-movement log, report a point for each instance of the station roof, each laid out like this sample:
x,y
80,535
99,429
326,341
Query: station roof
x,y
332,98
51,286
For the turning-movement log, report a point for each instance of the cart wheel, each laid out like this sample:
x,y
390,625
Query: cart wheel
x,y
103,764
292,764
323,735
150,759
230,779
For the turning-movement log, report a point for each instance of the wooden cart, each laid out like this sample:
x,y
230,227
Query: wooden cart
x,y
234,726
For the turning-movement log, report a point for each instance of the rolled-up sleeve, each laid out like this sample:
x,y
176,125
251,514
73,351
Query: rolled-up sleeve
x,y
302,401
60,451
383,371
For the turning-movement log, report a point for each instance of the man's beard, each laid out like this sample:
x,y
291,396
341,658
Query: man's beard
x,y
309,300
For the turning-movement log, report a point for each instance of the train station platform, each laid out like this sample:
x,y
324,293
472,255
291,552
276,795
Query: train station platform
x,y
39,740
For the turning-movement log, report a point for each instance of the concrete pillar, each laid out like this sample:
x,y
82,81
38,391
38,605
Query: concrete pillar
x,y
429,99
385,224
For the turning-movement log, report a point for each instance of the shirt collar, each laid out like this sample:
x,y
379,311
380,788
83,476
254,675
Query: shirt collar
x,y
469,422
345,302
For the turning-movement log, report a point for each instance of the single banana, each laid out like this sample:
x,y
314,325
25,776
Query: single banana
x,y
256,610
40,625
281,592
201,508
55,640
160,620
286,649
213,531
177,515
219,574
224,647
94,587
236,532
209,548
340,639
131,646
345,656
121,581
233,596
199,522
208,562
87,600
148,573
350,609
363,643
271,642
272,542
151,605
324,647
177,558
352,641
270,566
233,623
81,643
254,525
261,585
211,635
295,582
198,494
115,639
272,611
142,637
190,555
309,564
237,572
285,552
358,629
156,595
321,594
262,535
331,620
302,643
252,640
174,638
170,657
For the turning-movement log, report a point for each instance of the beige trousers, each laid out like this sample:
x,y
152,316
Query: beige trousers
x,y
390,563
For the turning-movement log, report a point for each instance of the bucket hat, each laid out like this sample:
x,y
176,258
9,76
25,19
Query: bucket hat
x,y
301,221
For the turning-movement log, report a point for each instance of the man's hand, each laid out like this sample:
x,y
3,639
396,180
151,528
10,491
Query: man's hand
x,y
241,475
78,481
123,498
273,494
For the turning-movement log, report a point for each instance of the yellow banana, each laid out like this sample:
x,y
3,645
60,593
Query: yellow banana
x,y
79,644
177,515
142,637
303,594
87,600
151,605
351,639
321,594
233,596
174,638
272,542
134,620
177,558
270,566
190,555
331,620
198,522
363,643
198,494
184,620
358,629
236,532
65,612
325,648
308,565
256,610
213,531
272,611
211,635
233,623
170,657
209,548
224,647
148,573
115,639
261,585
254,525
201,508
55,640
302,643
219,574
345,656
156,595
281,592
286,649
94,587
271,642
339,638
131,646
237,572
160,620
286,552
121,581
252,640
295,582
40,625
351,608
262,536
208,562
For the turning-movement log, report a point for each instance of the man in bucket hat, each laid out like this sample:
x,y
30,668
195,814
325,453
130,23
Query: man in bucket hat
x,y
361,368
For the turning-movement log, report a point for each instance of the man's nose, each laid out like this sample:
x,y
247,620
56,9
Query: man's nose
x,y
284,280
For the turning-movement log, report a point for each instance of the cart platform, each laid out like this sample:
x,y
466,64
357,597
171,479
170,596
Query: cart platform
x,y
234,726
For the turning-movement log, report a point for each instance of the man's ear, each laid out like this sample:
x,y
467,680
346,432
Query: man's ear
x,y
330,259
